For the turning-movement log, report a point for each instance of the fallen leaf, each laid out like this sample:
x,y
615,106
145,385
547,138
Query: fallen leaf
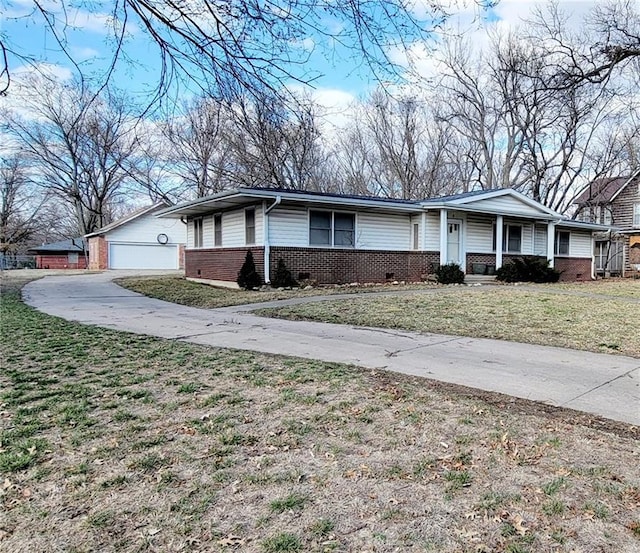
x,y
231,540
26,493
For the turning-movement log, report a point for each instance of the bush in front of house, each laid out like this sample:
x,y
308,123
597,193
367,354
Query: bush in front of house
x,y
451,273
528,269
248,277
283,277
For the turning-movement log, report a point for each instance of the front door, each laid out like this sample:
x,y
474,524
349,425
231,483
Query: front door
x,y
453,242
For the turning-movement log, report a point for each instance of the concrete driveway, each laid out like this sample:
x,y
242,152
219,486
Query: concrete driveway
x,y
606,385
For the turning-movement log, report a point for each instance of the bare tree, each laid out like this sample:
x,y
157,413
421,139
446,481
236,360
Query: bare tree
x,y
275,143
78,146
21,208
255,43
198,147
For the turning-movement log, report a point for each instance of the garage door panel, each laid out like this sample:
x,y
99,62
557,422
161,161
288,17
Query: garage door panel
x,y
143,256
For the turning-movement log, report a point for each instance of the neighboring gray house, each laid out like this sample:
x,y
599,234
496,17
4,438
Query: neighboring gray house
x,y
334,238
616,202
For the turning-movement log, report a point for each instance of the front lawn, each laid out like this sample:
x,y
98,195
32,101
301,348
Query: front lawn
x,y
115,442
589,317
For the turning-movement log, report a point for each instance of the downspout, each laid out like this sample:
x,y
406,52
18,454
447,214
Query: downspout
x,y
267,246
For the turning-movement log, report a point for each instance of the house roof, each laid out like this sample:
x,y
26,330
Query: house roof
x,y
128,218
231,199
70,245
604,190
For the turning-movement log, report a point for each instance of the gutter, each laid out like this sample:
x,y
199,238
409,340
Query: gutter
x,y
267,246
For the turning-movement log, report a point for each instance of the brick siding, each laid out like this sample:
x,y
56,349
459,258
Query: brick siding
x,y
98,253
220,263
335,266
573,268
59,261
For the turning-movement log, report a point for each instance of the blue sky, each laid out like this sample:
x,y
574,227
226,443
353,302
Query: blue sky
x,y
343,75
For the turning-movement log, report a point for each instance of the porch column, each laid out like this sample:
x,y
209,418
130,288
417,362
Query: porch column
x,y
443,236
551,242
499,231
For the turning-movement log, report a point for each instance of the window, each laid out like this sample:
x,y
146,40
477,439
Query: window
x,y
72,258
343,231
327,228
197,232
511,238
250,226
563,238
636,215
416,236
217,230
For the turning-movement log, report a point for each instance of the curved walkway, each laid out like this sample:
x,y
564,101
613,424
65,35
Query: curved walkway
x,y
606,385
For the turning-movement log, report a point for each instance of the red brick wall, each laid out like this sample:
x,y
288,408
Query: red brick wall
x,y
98,253
180,256
335,266
573,268
59,261
220,263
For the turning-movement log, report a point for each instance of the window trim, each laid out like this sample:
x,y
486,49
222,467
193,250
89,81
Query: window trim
x,y
217,232
198,232
556,243
247,238
332,229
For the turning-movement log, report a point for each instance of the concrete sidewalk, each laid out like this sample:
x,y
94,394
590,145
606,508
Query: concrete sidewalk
x,y
606,385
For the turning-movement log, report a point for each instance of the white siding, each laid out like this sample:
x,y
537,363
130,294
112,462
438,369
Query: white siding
x,y
527,239
383,232
207,231
289,227
505,204
432,241
580,244
190,234
540,240
233,229
259,225
145,229
480,234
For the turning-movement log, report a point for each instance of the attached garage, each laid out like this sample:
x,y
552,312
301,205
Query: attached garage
x,y
139,241
143,256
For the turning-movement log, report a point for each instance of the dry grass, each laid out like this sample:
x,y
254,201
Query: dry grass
x,y
557,316
194,294
116,442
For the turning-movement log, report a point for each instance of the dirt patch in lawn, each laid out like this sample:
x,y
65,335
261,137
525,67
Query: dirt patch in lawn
x,y
534,316
116,442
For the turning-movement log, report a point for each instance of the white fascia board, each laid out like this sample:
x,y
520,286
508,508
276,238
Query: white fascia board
x,y
203,205
126,219
505,192
552,216
585,226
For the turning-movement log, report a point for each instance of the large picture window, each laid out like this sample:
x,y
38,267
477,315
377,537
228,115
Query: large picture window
x,y
511,238
563,238
328,228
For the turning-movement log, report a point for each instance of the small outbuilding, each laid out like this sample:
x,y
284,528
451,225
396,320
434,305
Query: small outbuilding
x,y
139,241
65,254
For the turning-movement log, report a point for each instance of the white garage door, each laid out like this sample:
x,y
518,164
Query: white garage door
x,y
142,256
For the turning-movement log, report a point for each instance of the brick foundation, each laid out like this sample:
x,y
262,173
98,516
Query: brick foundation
x,y
59,261
335,266
573,268
98,253
220,263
